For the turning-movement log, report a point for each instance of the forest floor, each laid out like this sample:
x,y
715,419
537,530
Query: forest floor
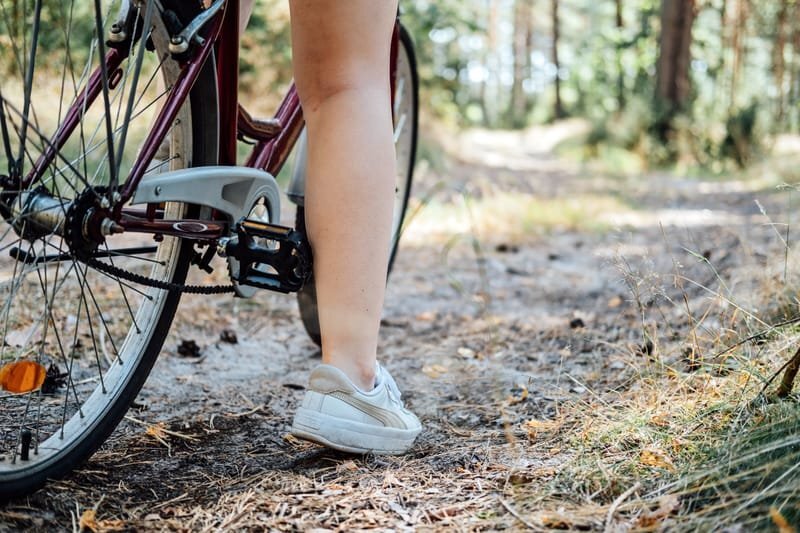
x,y
552,325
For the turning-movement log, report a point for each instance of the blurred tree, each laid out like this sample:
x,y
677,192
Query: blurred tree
x,y
778,57
523,47
620,25
558,106
739,26
794,68
673,86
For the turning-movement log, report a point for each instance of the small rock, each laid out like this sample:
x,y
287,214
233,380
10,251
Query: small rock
x,y
189,348
691,359
229,336
553,257
504,248
645,348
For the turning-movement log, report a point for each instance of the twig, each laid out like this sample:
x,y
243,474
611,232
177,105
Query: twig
x,y
515,514
246,413
613,509
161,429
788,376
785,366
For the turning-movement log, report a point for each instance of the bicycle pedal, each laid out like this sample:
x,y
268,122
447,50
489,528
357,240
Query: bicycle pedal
x,y
286,251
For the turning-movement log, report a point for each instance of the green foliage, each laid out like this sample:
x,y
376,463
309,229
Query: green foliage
x,y
16,18
466,61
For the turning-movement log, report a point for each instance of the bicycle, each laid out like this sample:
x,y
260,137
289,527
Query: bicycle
x,y
99,236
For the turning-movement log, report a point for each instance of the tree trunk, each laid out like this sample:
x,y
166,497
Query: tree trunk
x,y
778,61
558,109
522,45
673,87
794,67
492,65
740,23
620,24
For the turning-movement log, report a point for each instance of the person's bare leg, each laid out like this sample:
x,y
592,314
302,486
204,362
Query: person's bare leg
x,y
341,64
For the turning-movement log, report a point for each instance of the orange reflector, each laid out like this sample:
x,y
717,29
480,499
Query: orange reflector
x,y
22,376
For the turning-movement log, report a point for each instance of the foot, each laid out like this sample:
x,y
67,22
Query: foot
x,y
337,414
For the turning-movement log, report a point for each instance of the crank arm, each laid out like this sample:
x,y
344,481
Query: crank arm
x,y
33,259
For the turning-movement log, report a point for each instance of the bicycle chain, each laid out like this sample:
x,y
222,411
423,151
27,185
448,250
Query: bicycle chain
x,y
156,283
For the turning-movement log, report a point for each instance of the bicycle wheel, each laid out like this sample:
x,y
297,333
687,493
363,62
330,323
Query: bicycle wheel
x,y
405,102
96,334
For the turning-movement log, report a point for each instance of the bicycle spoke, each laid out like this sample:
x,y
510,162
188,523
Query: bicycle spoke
x,y
66,361
125,298
29,78
50,145
106,99
84,287
148,20
4,133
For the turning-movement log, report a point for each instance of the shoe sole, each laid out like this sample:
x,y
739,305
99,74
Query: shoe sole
x,y
351,437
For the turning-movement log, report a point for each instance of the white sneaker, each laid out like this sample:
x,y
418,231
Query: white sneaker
x,y
339,415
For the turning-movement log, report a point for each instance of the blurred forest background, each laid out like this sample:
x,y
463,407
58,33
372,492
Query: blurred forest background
x,y
705,82
699,82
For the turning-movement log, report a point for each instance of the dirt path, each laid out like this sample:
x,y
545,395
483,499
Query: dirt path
x,y
492,337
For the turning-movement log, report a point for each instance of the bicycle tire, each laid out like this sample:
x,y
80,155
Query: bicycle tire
x,y
406,159
195,135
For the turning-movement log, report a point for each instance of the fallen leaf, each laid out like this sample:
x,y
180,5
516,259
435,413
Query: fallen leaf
x,y
614,302
156,430
427,316
534,427
434,371
518,395
88,521
348,465
466,353
660,419
555,521
666,506
656,458
291,439
520,478
780,521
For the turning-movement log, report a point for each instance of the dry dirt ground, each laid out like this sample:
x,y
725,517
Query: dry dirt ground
x,y
504,340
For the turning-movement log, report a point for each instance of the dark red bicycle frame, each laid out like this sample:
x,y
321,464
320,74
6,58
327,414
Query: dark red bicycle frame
x,y
274,142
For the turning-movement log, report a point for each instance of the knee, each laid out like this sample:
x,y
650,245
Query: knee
x,y
318,90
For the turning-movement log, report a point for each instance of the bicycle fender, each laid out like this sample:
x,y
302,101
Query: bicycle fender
x,y
230,190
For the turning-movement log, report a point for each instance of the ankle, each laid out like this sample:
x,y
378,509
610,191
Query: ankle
x,y
362,375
